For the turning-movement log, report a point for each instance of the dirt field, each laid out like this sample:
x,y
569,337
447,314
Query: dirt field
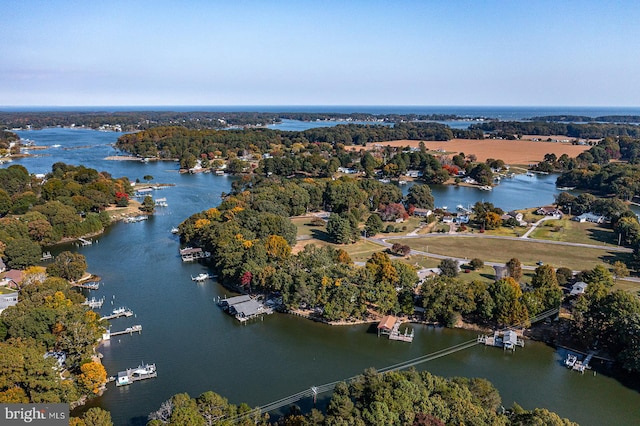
x,y
511,152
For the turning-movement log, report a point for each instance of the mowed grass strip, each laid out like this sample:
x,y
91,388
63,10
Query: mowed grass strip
x,y
528,252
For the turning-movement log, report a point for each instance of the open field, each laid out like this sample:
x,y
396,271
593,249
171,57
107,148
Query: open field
x,y
487,249
571,231
511,152
529,252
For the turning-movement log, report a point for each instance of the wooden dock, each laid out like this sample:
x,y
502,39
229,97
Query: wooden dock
x,y
403,337
390,326
189,254
88,286
129,330
507,339
117,313
93,303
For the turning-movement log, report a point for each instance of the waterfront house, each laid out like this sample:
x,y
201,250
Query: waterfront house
x,y
589,217
9,299
13,278
422,212
549,211
578,288
462,219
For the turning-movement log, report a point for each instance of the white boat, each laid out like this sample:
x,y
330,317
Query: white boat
x,y
486,188
175,230
402,182
144,370
201,277
119,311
570,361
57,145
460,207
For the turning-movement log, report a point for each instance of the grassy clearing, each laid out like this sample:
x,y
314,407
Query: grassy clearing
x,y
403,228
6,290
575,232
496,250
504,231
362,250
304,226
630,286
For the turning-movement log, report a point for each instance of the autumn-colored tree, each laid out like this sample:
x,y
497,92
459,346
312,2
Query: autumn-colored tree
x,y
277,247
245,279
343,257
514,268
92,378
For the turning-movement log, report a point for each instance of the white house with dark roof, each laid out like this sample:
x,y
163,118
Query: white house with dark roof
x,y
578,288
589,217
9,299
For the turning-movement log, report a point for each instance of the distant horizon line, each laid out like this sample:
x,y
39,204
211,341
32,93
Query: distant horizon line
x,y
319,105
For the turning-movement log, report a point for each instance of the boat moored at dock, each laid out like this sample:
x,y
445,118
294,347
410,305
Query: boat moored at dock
x,y
130,375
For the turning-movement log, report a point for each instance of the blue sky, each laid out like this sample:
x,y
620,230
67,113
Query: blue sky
x,y
322,52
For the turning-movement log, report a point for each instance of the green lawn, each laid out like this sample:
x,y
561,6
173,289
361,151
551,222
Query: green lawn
x,y
304,226
6,290
575,232
528,252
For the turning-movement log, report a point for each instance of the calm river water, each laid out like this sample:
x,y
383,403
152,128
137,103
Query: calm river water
x,y
197,348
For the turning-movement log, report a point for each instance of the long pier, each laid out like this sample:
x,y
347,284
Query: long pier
x,y
129,330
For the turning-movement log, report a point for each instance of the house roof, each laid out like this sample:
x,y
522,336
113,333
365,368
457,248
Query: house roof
x,y
190,250
235,300
14,275
578,288
387,322
510,337
246,309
